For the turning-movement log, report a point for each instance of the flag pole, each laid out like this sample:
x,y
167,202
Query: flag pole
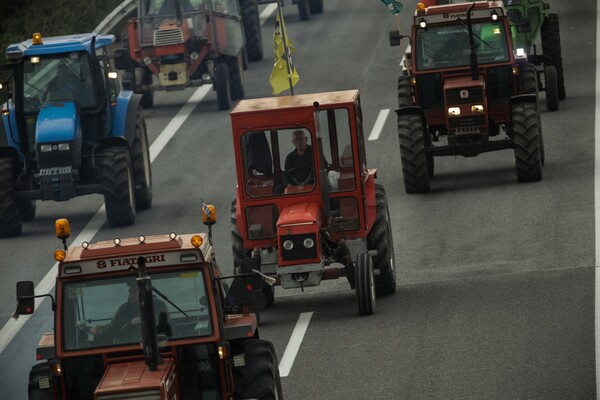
x,y
285,47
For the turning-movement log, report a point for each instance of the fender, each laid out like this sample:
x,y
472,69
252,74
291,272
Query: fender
x,y
126,112
523,98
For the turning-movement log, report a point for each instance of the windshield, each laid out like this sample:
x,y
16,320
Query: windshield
x,y
106,312
448,46
58,78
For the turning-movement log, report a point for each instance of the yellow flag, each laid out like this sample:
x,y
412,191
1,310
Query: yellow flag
x,y
280,75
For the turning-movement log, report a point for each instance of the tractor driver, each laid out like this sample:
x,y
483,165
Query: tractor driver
x,y
64,86
298,165
125,325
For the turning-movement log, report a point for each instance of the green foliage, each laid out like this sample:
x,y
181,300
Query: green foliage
x,y
19,19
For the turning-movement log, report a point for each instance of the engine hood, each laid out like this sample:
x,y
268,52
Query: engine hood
x,y
305,213
58,121
135,377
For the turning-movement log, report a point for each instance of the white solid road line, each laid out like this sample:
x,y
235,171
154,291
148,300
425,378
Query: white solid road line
x,y
285,365
597,203
379,122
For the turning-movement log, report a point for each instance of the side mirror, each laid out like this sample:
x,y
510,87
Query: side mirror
x,y
122,59
395,38
25,298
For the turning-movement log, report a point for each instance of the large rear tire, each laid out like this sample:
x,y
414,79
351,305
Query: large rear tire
x,y
11,224
304,10
380,239
316,6
551,87
142,168
239,253
236,77
252,30
365,284
223,87
552,50
411,133
259,377
526,130
119,188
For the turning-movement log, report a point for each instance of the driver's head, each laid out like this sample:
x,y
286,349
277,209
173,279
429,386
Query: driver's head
x,y
300,141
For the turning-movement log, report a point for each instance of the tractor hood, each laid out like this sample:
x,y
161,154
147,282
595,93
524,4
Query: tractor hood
x,y
58,135
135,378
300,214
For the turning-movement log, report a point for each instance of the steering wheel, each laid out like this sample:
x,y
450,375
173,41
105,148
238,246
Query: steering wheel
x,y
309,177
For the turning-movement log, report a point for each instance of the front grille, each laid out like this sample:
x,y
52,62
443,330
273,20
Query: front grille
x,y
453,96
474,120
57,183
165,37
299,252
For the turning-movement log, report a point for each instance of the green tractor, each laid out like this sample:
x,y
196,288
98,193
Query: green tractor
x,y
530,19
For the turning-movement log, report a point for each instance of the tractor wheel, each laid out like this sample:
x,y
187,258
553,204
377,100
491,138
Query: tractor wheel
x,y
380,239
222,86
316,6
551,87
252,30
411,132
236,77
239,253
119,188
259,377
365,284
37,372
140,161
404,96
11,223
147,95
27,209
526,130
529,81
550,33
304,9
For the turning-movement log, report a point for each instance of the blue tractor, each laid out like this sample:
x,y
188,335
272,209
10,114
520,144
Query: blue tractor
x,y
69,130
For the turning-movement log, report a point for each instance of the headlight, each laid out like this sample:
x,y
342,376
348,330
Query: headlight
x,y
454,111
44,148
63,146
147,60
309,243
478,108
288,245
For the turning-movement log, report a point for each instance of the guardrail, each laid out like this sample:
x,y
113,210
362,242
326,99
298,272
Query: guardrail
x,y
116,16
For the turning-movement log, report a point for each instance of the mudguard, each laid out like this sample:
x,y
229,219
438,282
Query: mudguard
x,y
126,112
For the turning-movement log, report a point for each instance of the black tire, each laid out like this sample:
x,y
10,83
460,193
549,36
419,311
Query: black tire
x,y
119,188
38,371
526,128
252,30
316,6
222,86
239,253
529,82
551,87
411,132
304,10
259,377
380,239
147,95
365,284
142,168
236,77
404,96
11,224
27,209
552,50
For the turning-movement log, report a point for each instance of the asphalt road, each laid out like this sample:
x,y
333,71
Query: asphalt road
x,y
496,279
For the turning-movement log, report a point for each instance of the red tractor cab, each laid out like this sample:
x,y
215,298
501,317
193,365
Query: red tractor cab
x,y
307,204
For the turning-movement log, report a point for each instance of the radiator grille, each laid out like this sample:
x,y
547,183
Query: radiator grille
x,y
453,96
165,37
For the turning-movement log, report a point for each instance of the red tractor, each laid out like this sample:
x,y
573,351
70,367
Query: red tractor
x,y
174,44
148,317
307,206
463,85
